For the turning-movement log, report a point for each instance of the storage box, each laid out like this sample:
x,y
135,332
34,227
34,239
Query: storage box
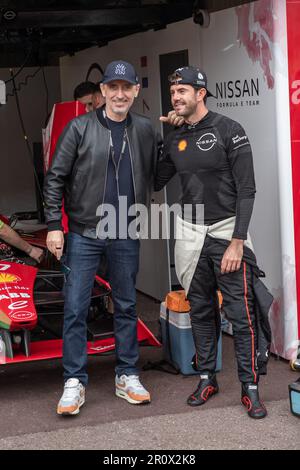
x,y
294,392
181,341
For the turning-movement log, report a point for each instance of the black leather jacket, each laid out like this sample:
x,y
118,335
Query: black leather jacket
x,y
79,168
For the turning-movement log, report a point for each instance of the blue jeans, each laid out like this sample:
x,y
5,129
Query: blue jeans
x,y
82,257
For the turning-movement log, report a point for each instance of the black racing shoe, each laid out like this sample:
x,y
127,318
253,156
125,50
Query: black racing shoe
x,y
207,387
250,399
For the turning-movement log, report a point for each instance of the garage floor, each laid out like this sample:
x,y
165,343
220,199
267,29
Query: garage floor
x,y
29,394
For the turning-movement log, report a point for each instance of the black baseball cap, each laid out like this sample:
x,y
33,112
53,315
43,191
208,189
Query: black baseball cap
x,y
120,70
190,76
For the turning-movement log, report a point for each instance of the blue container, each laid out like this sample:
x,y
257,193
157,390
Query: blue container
x,y
181,341
294,392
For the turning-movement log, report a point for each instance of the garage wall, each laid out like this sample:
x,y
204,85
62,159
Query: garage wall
x,y
17,183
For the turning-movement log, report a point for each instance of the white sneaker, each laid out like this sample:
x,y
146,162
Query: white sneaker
x,y
72,399
130,388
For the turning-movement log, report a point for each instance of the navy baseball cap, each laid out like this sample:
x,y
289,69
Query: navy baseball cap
x,y
190,76
120,70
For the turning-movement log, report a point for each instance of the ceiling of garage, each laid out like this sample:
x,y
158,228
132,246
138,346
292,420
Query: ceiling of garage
x,y
40,31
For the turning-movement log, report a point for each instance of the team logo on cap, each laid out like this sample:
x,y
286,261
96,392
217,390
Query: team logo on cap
x,y
200,76
120,69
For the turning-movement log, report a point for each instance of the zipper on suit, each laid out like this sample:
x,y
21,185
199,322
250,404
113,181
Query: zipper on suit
x,y
119,161
132,172
105,181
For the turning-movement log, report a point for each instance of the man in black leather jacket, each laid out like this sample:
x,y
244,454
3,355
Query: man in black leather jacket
x,y
101,156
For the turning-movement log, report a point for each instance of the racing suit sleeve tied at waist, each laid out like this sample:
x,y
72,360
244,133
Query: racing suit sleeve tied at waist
x,y
263,302
189,243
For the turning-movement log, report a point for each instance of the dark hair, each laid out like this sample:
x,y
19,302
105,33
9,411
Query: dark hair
x,y
83,89
174,78
98,89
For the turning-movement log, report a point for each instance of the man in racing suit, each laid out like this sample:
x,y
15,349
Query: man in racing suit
x,y
212,156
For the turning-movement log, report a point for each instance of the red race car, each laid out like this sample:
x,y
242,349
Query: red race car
x,y
31,309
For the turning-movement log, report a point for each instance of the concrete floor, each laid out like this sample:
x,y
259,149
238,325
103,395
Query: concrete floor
x,y
29,394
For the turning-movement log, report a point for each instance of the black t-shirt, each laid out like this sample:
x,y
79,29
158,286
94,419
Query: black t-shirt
x,y
214,162
119,180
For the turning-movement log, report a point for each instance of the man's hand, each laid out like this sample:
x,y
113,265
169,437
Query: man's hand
x,y
36,253
55,243
172,119
232,257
